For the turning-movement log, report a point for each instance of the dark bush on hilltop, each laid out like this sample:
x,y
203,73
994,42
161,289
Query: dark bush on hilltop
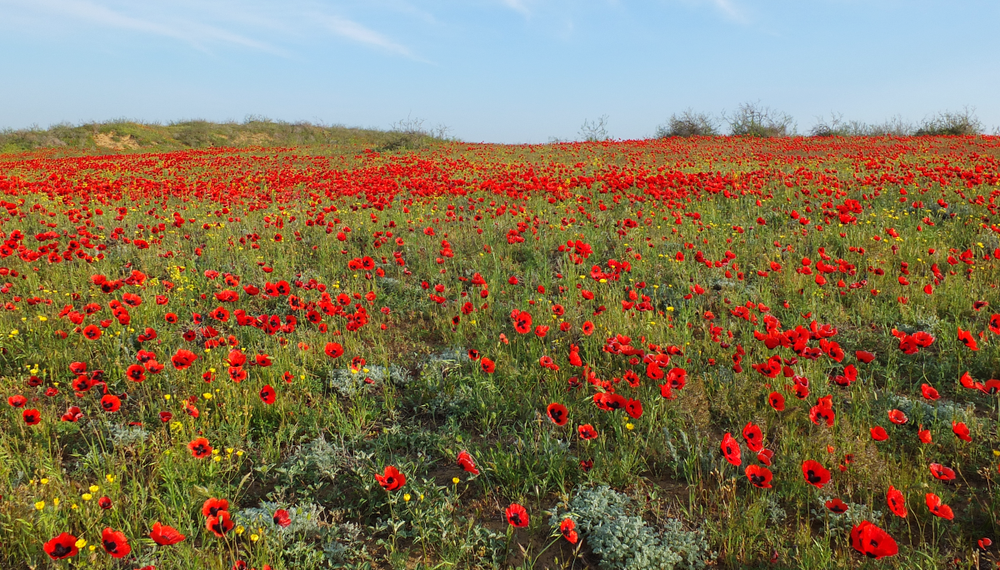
x,y
688,124
755,120
959,123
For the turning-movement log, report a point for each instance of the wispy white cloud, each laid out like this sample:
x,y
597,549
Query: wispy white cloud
x,y
518,6
730,10
351,30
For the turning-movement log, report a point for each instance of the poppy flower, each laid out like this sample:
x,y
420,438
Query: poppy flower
x,y
837,506
777,401
897,417
115,543
557,413
937,508
765,456
961,430
929,392
879,433
941,472
392,479
872,541
759,477
110,403
104,502
815,474
219,523
60,547
984,543
465,462
212,507
165,535
281,518
924,434
487,365
896,501
183,358
517,515
731,450
473,354
267,394
522,321
966,338
200,448
587,432
754,437
17,401
73,413
822,414
633,408
864,356
136,373
568,529
91,332
588,328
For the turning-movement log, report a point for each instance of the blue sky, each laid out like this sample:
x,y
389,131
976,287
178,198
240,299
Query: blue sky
x,y
495,70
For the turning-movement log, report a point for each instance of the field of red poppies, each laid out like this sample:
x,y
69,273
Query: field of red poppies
x,y
726,352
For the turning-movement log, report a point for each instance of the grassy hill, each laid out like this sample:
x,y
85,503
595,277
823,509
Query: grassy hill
x,y
126,136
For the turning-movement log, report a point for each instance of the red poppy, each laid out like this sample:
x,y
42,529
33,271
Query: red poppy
x,y
183,358
517,515
897,417
392,479
754,437
837,506
864,356
588,328
879,433
765,456
165,535
633,408
568,529
929,392
557,413
937,508
110,403
212,507
73,413
17,401
219,523
872,541
92,332
731,450
522,321
587,432
465,462
777,401
759,476
924,434
115,543
821,414
941,472
281,518
896,501
200,448
961,430
267,394
995,324
984,543
487,365
60,547
136,373
815,474
966,338
104,502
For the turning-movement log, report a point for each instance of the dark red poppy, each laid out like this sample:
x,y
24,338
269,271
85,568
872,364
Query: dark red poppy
x,y
759,476
165,417
941,472
587,432
104,502
487,365
753,436
938,508
267,394
392,479
557,413
777,401
822,414
219,524
466,463
896,501
837,506
165,535
110,403
115,543
183,358
473,354
522,321
73,413
879,433
60,547
281,518
731,450
31,417
872,541
213,506
517,515
200,448
815,474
